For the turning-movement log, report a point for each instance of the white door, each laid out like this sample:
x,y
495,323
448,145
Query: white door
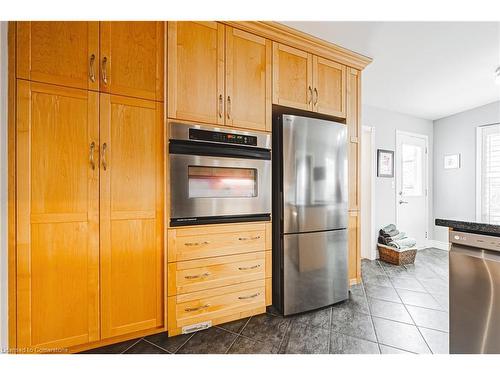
x,y
368,235
411,186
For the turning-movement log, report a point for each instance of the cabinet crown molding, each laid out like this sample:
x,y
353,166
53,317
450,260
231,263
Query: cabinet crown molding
x,y
306,42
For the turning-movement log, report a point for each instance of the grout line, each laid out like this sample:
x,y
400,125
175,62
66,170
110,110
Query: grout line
x,y
330,331
189,338
232,343
289,324
411,317
134,344
159,347
371,316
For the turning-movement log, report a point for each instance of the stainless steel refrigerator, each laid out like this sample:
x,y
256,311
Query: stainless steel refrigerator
x,y
309,213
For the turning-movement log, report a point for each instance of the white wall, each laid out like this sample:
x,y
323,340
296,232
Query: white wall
x,y
455,189
386,123
3,185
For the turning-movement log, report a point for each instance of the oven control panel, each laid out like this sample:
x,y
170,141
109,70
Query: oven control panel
x,y
211,136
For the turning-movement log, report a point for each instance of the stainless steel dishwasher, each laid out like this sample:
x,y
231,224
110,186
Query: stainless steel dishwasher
x,y
474,293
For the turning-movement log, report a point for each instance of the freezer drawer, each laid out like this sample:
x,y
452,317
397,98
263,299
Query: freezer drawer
x,y
314,270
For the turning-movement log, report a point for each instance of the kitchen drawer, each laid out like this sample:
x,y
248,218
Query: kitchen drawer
x,y
216,305
217,240
194,275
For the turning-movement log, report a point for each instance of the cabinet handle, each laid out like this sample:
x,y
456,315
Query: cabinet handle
x,y
91,68
309,99
228,107
220,105
191,309
248,238
249,268
104,162
104,73
191,277
317,95
196,243
250,296
91,155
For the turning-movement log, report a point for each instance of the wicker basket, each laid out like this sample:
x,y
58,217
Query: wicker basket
x,y
399,258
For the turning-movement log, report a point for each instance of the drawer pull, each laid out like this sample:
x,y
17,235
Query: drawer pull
x,y
249,268
191,309
191,277
248,238
196,243
250,296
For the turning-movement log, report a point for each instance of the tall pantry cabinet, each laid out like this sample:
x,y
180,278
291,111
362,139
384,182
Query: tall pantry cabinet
x,y
89,138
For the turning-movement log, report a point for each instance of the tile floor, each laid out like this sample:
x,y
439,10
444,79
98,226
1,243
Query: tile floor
x,y
396,309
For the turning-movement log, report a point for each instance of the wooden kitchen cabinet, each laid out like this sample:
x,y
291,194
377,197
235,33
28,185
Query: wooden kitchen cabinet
x,y
62,53
196,71
57,216
354,247
248,80
354,131
329,87
131,59
131,214
292,77
308,82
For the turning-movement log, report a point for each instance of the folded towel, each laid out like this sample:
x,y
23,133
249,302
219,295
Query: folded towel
x,y
388,228
403,243
391,233
386,240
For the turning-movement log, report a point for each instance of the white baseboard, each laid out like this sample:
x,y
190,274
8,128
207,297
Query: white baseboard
x,y
438,244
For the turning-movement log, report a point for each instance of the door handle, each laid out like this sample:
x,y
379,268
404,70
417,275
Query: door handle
x,y
104,162
228,107
316,96
310,90
402,201
250,296
91,155
220,105
104,72
92,73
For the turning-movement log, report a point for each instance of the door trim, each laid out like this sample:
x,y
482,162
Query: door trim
x,y
396,177
371,230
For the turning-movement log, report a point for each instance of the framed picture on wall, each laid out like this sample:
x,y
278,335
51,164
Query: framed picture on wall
x,y
452,161
385,163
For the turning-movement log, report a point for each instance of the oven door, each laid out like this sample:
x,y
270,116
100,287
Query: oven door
x,y
214,189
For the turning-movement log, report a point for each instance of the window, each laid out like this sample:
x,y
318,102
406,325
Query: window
x,y
219,182
488,174
412,181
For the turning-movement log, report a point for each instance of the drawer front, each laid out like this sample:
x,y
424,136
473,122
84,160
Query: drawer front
x,y
216,303
213,241
191,276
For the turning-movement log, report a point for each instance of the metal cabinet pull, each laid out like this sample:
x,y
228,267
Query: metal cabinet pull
x,y
104,72
317,95
249,268
228,107
91,155
191,277
250,296
309,99
191,309
248,238
402,202
196,243
220,105
104,162
91,68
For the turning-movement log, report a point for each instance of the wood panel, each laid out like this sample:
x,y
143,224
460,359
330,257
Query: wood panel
x,y
46,53
195,275
209,305
216,240
329,85
134,58
248,80
353,129
131,211
292,77
58,260
354,246
196,71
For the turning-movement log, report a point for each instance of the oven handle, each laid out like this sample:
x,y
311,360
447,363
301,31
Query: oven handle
x,y
217,150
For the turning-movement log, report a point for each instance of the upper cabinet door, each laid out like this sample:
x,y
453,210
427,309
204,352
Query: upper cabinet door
x,y
248,80
329,88
292,77
196,71
57,216
131,213
62,53
131,62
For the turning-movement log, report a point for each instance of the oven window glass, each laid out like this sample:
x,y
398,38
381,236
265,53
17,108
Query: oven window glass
x,y
222,182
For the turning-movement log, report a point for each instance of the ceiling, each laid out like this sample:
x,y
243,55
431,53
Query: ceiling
x,y
426,69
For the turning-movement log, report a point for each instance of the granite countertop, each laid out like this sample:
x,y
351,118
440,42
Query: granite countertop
x,y
470,227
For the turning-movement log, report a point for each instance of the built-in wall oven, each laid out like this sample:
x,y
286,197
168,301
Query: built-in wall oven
x,y
218,175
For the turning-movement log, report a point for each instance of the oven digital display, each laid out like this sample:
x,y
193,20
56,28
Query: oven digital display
x,y
222,182
211,136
